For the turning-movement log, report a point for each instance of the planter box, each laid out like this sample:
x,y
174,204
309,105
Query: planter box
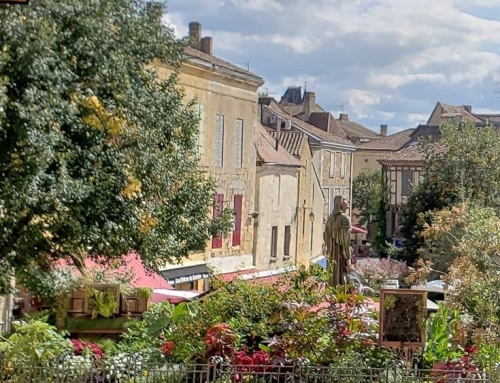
x,y
134,304
77,302
104,287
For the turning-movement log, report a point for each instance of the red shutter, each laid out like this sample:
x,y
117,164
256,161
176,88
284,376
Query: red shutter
x,y
238,202
218,206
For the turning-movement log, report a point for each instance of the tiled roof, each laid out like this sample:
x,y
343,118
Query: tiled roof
x,y
451,110
353,129
317,132
293,142
267,152
197,54
326,122
392,142
409,154
491,118
297,110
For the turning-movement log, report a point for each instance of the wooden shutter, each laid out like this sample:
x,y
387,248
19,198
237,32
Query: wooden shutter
x,y
219,141
288,237
238,163
274,242
238,205
218,206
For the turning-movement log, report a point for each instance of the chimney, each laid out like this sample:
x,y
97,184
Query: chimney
x,y
195,34
383,130
206,45
344,117
468,108
309,104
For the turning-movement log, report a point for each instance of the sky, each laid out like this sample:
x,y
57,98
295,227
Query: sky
x,y
379,61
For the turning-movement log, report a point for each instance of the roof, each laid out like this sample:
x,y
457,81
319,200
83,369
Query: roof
x,y
453,110
491,118
409,154
217,62
297,110
312,130
293,142
392,142
353,129
269,154
326,122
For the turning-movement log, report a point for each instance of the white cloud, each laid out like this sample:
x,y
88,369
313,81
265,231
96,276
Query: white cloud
x,y
175,22
259,5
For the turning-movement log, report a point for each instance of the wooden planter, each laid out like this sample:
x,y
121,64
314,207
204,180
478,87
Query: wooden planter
x,y
402,318
78,302
104,287
134,304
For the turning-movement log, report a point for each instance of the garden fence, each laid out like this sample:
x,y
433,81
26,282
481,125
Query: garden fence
x,y
75,373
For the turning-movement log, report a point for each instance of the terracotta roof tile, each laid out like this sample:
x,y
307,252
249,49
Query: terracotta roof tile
x,y
293,142
297,110
353,129
452,110
392,142
197,54
409,154
326,122
267,152
321,134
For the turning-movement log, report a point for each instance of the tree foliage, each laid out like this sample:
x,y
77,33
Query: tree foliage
x,y
463,166
366,194
97,154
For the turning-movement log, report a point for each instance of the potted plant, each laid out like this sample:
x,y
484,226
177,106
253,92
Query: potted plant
x,y
102,300
137,302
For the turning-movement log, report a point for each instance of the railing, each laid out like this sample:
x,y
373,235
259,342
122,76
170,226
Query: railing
x,y
133,373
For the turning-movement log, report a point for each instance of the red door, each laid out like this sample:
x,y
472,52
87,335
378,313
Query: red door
x,y
218,206
238,204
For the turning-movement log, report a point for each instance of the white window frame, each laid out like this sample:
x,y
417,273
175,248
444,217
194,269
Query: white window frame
x,y
219,141
343,166
332,164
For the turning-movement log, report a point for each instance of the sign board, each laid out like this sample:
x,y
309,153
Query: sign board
x,y
403,316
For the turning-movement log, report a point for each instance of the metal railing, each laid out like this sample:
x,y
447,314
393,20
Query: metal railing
x,y
222,373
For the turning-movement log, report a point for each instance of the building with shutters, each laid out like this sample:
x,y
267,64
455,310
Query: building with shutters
x,y
227,98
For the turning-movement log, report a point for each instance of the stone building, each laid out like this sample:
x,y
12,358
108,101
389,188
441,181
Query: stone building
x,y
226,97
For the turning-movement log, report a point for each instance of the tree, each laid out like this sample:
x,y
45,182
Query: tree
x,y
97,155
464,165
366,194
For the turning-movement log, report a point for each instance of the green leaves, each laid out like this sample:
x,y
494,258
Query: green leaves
x,y
97,154
366,194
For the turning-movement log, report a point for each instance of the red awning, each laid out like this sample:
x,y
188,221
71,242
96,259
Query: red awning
x,y
358,230
230,276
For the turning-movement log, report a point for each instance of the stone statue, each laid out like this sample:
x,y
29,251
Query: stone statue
x,y
337,237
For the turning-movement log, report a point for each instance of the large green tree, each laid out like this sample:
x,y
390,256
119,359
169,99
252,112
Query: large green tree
x,y
366,194
97,154
464,165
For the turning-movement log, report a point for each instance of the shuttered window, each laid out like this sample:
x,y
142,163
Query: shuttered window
x,y
287,240
343,166
219,141
332,164
239,144
218,206
238,205
407,179
274,242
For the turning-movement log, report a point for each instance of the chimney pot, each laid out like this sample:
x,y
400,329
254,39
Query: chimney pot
x,y
309,104
195,34
344,117
383,130
207,45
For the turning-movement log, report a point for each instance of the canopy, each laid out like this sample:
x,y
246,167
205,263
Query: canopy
x,y
358,230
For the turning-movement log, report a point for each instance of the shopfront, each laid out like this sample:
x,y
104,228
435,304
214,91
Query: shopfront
x,y
187,277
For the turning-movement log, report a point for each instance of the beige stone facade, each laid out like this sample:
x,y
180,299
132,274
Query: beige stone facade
x,y
226,98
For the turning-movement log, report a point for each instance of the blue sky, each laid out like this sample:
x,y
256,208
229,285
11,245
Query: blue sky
x,y
386,61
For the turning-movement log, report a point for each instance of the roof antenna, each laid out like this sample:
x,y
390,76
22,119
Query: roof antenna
x,y
305,85
342,106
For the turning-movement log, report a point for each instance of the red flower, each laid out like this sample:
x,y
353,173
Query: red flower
x,y
79,346
168,348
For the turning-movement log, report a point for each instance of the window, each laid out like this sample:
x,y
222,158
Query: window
x,y
218,206
288,237
239,144
219,141
407,179
274,242
343,166
238,204
326,193
201,129
332,164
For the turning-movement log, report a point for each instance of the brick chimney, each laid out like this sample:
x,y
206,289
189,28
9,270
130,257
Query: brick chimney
x,y
207,45
309,104
383,130
344,117
195,34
